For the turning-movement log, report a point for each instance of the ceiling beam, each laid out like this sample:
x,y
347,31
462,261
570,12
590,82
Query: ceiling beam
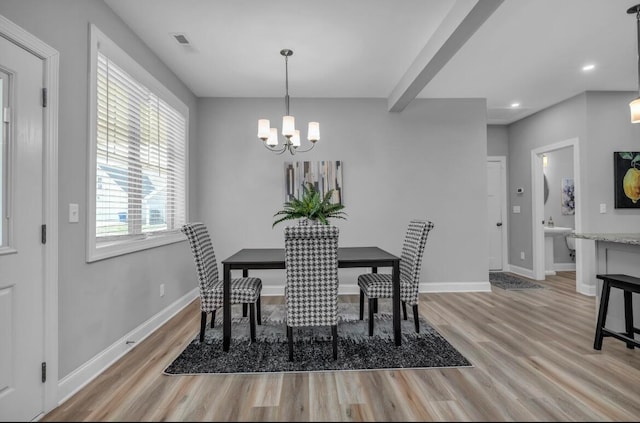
x,y
457,27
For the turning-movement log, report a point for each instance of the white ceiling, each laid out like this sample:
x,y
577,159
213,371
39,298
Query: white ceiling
x,y
525,51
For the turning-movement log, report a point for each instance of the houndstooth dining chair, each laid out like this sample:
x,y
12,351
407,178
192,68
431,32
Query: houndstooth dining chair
x,y
245,290
311,291
380,285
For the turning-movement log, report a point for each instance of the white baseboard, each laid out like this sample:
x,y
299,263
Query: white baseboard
x,y
435,287
84,374
484,286
564,267
521,271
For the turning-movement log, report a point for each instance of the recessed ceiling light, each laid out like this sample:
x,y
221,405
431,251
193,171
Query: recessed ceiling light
x,y
587,68
514,105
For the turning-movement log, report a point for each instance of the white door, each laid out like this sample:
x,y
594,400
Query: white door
x,y
21,248
495,204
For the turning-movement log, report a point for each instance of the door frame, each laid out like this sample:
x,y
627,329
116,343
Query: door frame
x,y
51,59
537,209
503,207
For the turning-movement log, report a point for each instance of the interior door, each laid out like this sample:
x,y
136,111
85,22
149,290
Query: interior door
x,y
21,248
495,202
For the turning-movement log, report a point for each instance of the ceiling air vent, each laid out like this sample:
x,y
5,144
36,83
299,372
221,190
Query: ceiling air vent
x,y
180,38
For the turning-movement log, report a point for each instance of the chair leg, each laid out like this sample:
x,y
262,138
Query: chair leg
x,y
628,317
361,304
404,310
334,335
371,302
375,305
252,321
415,318
290,339
244,309
213,319
602,315
203,324
259,311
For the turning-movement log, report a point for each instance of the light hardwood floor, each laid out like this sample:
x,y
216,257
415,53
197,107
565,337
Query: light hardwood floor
x,y
532,355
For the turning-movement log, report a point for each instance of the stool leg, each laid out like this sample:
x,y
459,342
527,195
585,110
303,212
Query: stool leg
x,y
628,317
602,314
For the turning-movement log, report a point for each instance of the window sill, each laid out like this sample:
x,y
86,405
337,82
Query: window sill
x,y
105,250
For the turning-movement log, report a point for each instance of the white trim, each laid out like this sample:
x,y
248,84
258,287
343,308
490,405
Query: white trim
x,y
521,271
433,287
425,287
505,216
50,57
537,209
79,378
98,251
564,267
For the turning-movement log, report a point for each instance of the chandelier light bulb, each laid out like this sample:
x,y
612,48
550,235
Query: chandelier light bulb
x,y
288,126
313,134
273,137
295,139
263,129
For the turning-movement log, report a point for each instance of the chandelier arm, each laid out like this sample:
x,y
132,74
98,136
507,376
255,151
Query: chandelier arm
x,y
308,149
275,150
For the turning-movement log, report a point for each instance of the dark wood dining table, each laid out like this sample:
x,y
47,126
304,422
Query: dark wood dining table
x,y
273,258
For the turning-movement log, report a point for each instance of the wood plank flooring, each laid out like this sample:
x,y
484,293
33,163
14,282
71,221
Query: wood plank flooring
x,y
531,350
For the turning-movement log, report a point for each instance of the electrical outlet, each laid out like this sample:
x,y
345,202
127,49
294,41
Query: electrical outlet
x,y
516,209
162,290
521,255
603,208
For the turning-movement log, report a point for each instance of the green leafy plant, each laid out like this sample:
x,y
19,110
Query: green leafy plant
x,y
311,206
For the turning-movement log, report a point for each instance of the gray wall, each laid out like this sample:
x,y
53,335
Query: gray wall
x,y
600,120
497,140
102,301
561,122
424,162
609,130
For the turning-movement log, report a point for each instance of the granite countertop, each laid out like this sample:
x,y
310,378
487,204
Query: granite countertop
x,y
622,238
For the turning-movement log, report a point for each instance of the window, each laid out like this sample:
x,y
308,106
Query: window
x,y
138,156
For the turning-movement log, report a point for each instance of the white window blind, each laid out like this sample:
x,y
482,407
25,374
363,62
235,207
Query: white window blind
x,y
140,159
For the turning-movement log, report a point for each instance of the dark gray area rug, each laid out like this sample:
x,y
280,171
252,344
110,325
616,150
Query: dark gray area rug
x,y
313,346
511,282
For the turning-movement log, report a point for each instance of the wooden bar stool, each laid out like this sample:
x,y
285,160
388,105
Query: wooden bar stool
x,y
629,284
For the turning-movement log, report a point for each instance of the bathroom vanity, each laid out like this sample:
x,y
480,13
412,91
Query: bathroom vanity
x,y
550,232
616,253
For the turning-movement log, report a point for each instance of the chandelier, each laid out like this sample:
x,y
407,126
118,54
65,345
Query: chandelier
x,y
269,135
634,106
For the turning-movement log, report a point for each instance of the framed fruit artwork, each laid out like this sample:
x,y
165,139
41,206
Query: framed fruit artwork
x,y
626,167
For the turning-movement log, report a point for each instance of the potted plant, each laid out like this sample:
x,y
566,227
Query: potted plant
x,y
312,207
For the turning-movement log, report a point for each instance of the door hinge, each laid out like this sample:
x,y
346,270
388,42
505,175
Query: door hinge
x,y
44,371
44,97
43,234
6,115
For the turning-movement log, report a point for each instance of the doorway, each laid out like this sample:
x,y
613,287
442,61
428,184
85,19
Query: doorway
x,y
497,212
539,219
28,234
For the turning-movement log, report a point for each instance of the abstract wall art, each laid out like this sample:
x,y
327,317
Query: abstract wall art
x,y
324,175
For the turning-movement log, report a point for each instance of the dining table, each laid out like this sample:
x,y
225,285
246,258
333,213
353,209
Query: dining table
x,y
274,258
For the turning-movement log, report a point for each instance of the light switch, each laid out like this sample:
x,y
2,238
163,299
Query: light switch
x,y
516,209
74,212
603,208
